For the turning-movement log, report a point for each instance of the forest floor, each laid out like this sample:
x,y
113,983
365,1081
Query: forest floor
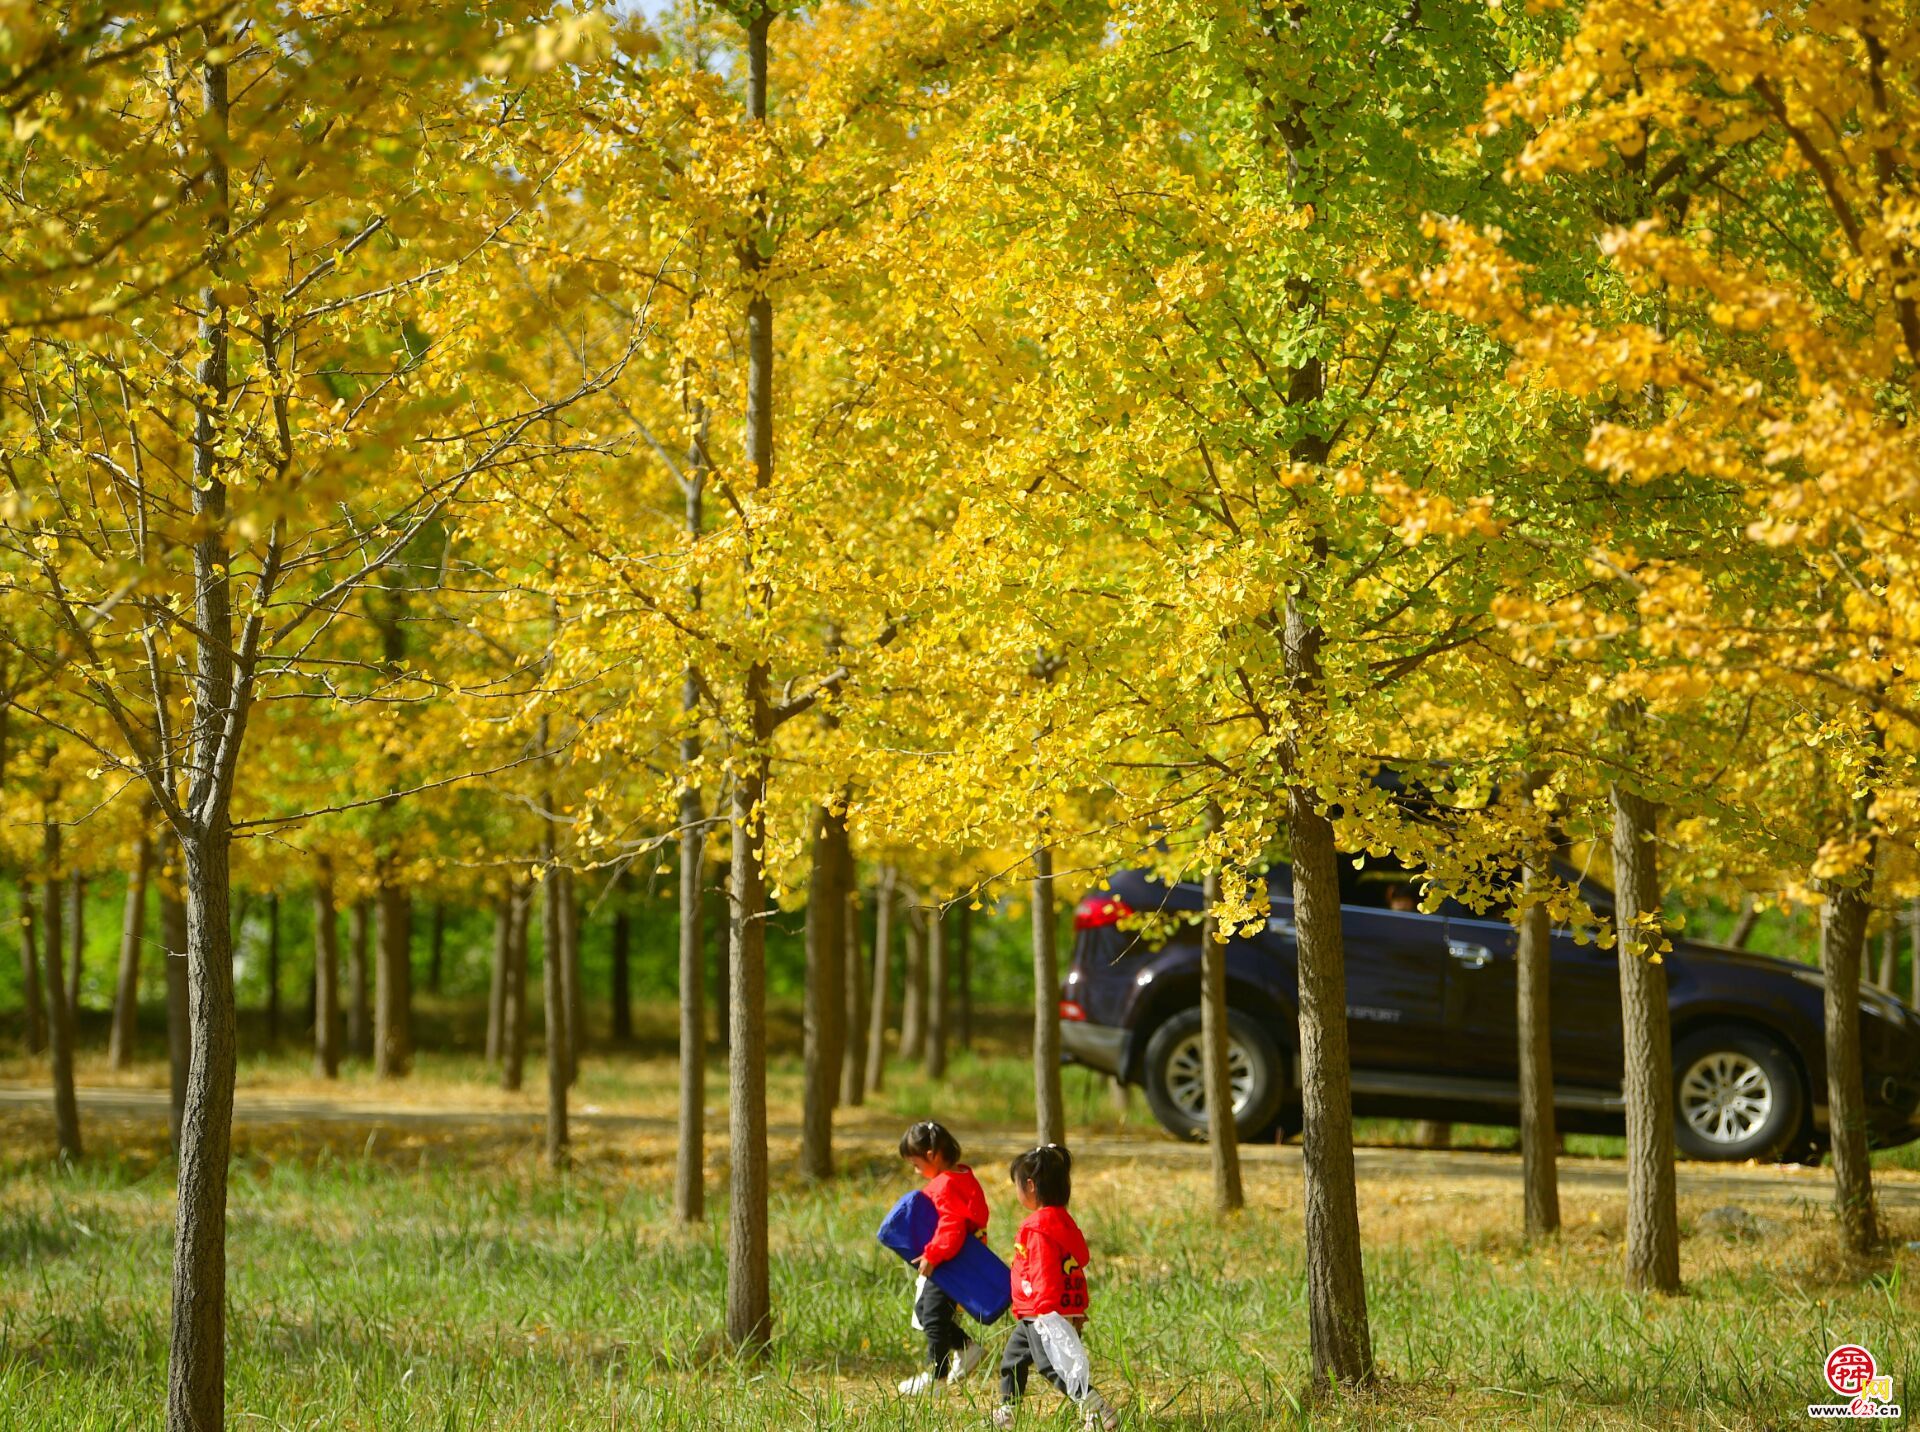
x,y
401,1258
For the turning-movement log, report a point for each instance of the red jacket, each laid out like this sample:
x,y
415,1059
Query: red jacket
x,y
1049,1259
962,1206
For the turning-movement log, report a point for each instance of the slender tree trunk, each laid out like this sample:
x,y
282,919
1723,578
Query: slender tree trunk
x,y
937,990
1843,931
273,968
1432,1134
553,899
1743,926
853,1064
570,973
1341,1343
883,912
77,940
963,977
1049,1103
620,975
749,1299
393,982
1889,955
133,934
825,994
1653,1224
326,973
690,1160
30,992
359,1012
723,958
173,934
1539,1138
66,1110
437,948
497,981
1223,1135
913,998
513,1005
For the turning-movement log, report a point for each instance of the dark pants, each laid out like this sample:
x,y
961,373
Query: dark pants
x,y
1024,1351
940,1316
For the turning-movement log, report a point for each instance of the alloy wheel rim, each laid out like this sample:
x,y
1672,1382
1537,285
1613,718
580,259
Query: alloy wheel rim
x,y
1187,1082
1726,1097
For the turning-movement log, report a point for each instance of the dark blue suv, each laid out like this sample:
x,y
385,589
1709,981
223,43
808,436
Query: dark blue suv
x,y
1432,1028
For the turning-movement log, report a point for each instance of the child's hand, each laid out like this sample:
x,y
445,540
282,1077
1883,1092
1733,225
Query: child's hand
x,y
922,1266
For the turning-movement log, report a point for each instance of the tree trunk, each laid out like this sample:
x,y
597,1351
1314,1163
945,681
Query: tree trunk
x,y
913,998
1913,954
723,959
1843,930
359,1014
1341,1343
1889,955
1223,1134
939,982
1049,1103
621,974
77,940
853,1063
66,1110
570,973
749,1299
133,934
1653,1223
173,934
553,988
963,977
883,912
825,994
30,992
326,973
1432,1134
393,983
273,968
1539,1137
497,979
690,1158
1743,926
513,1002
437,948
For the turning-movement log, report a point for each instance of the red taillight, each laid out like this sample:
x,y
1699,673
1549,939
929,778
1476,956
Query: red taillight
x,y
1070,1010
1098,910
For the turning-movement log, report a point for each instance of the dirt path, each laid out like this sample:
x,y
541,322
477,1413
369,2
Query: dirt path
x,y
1777,1186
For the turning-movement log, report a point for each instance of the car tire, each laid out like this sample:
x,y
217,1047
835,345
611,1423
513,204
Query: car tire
x,y
1736,1096
1173,1075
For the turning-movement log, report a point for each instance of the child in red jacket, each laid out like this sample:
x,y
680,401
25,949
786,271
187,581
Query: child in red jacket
x,y
1049,1277
962,1206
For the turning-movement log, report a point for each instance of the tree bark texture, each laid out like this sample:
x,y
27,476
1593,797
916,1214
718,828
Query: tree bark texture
x,y
1340,1340
393,983
690,1156
173,935
1049,1103
497,975
883,922
66,1110
76,939
963,975
1653,1222
853,1062
913,996
359,1006
513,1005
1223,1134
133,935
30,992
571,973
825,993
1539,1138
553,902
938,982
326,973
749,1298
1843,932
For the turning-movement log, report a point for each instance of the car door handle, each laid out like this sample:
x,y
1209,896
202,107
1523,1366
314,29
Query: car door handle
x,y
1474,957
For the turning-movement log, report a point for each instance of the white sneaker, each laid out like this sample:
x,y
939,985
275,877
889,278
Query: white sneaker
x,y
1100,1414
920,1384
1002,1416
970,1358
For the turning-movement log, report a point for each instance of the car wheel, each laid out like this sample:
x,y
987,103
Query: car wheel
x,y
1175,1077
1736,1095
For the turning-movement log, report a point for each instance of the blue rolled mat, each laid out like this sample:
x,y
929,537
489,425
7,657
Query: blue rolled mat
x,y
975,1278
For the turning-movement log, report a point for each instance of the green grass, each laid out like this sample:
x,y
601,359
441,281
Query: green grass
x,y
382,1278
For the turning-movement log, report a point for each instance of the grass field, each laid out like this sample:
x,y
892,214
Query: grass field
x,y
441,1278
